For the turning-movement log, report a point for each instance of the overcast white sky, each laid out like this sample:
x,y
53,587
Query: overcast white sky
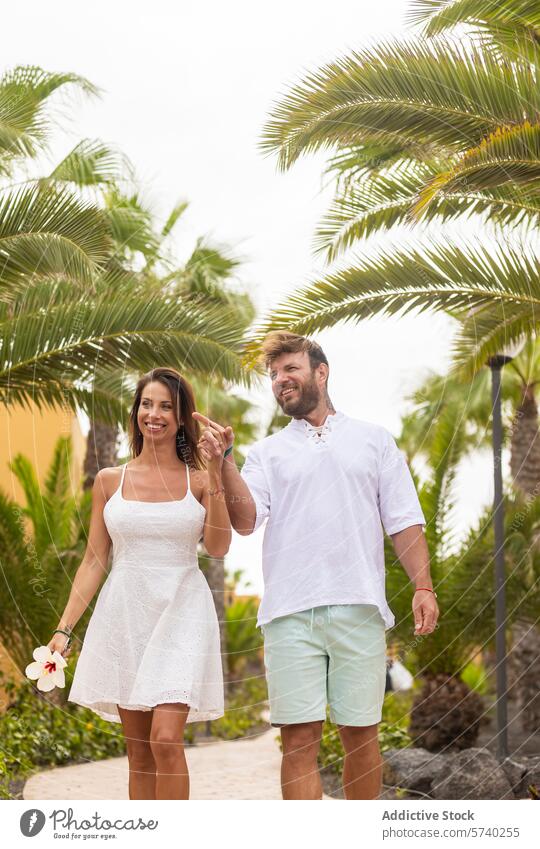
x,y
186,90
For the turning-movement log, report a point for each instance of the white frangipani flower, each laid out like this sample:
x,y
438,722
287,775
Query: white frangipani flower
x,y
48,668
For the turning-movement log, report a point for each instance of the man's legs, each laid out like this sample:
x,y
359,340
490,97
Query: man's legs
x,y
300,777
296,670
356,684
362,767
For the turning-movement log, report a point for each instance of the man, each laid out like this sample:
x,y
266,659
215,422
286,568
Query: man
x,y
328,484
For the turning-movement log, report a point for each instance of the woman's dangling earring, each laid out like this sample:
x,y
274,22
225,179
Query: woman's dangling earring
x,y
180,437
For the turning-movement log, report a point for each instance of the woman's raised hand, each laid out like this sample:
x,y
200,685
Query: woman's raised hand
x,y
214,441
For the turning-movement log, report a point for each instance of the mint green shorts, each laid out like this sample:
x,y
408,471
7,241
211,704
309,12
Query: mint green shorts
x,y
333,655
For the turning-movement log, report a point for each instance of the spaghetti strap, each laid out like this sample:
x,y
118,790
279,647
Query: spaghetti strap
x,y
187,473
124,467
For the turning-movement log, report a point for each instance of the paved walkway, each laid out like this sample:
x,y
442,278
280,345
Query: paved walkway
x,y
234,769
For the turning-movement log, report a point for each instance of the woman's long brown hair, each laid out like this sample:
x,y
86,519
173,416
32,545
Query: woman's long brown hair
x,y
183,402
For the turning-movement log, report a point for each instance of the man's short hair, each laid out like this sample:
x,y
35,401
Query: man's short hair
x,y
279,342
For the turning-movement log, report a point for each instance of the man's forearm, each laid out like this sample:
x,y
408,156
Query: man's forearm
x,y
411,548
240,504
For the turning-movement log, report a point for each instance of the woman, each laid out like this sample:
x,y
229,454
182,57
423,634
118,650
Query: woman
x,y
151,654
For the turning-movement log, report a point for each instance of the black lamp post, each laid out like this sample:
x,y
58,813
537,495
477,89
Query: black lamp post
x,y
496,364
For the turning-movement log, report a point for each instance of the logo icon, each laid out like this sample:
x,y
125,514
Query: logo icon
x,y
32,821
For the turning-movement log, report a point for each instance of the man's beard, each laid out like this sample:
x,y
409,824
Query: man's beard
x,y
308,397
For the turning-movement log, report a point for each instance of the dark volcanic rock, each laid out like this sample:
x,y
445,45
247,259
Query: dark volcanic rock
x,y
413,769
473,774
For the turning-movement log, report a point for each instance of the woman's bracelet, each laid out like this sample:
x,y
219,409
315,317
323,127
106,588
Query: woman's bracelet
x,y
228,451
427,589
68,634
216,491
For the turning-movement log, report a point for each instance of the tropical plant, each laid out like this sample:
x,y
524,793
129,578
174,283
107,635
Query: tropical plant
x,y
472,404
36,735
46,229
473,399
511,25
42,544
244,639
460,571
73,319
423,131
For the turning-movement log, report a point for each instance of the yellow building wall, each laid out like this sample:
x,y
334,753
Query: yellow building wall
x,y
34,433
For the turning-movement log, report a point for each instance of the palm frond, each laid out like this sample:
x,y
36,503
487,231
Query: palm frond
x,y
58,336
131,224
511,155
25,473
446,450
173,217
520,16
23,93
209,265
41,84
440,277
91,163
432,91
388,200
374,204
350,165
489,331
49,231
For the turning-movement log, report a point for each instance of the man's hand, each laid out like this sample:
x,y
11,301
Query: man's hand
x,y
425,611
215,439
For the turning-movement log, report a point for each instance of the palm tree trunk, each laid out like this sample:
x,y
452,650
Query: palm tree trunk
x,y
101,451
525,445
215,575
524,656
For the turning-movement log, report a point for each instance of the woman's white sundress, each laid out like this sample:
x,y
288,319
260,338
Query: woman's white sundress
x,y
154,634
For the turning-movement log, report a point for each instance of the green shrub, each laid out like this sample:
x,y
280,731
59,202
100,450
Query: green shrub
x,y
36,733
244,639
476,677
393,733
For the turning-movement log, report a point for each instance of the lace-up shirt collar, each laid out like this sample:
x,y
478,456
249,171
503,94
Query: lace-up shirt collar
x,y
318,433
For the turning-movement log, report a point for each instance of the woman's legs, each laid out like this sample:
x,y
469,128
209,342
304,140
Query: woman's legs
x,y
167,743
137,725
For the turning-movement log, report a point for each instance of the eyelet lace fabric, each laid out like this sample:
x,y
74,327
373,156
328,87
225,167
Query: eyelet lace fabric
x,y
153,637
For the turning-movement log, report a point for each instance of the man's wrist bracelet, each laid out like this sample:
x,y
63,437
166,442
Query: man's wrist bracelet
x,y
427,590
228,451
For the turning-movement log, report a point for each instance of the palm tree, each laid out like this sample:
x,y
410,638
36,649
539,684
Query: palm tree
x,y
74,317
445,712
46,229
423,132
519,380
472,427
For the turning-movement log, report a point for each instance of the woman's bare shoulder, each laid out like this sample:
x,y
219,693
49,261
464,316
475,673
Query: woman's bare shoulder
x,y
108,480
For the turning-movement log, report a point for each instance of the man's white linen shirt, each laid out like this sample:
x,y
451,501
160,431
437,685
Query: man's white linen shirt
x,y
327,498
